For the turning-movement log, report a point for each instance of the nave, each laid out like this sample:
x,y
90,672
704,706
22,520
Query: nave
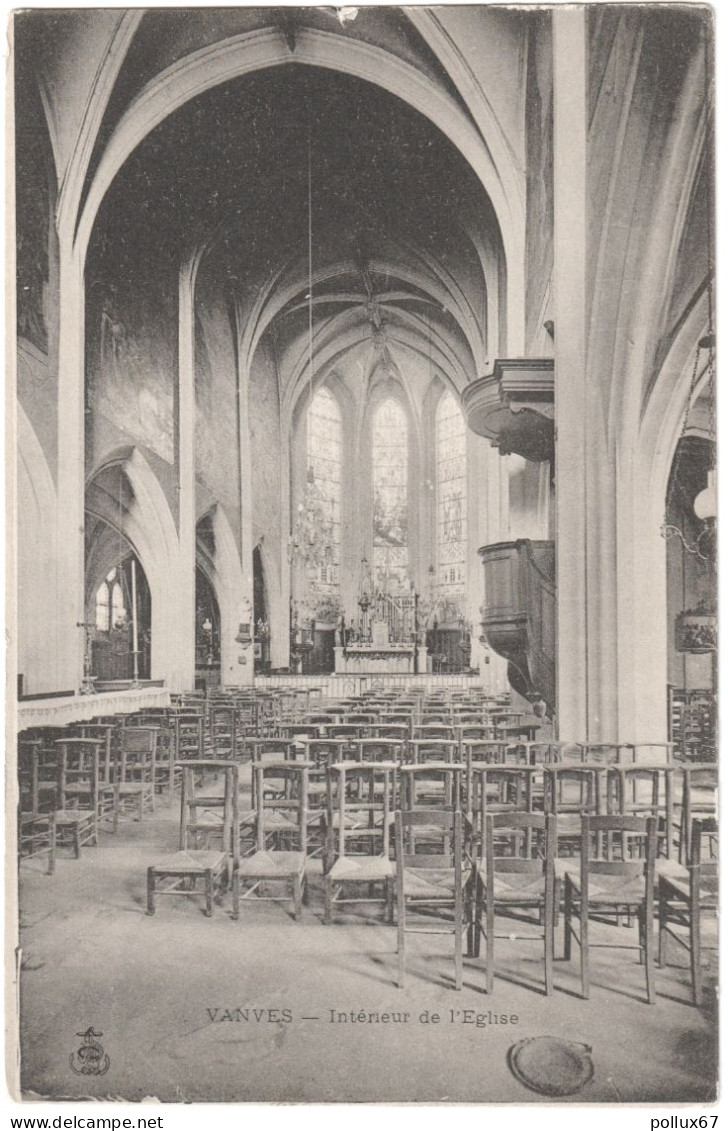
x,y
129,814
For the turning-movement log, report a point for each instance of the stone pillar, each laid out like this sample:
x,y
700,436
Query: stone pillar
x,y
570,249
68,638
182,665
245,671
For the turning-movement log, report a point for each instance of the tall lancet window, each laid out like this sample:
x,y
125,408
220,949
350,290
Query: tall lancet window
x,y
389,490
323,490
451,497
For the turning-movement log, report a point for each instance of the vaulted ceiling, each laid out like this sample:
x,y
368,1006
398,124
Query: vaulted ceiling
x,y
402,233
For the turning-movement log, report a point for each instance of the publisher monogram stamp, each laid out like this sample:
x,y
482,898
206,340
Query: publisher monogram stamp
x,y
89,1059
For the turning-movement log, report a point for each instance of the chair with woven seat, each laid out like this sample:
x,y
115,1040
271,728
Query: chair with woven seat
x,y
76,818
515,874
108,733
201,820
37,775
687,902
36,804
360,797
167,770
280,821
135,773
608,886
430,883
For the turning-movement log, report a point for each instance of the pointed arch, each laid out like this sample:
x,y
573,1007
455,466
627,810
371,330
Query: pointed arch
x,y
145,520
220,560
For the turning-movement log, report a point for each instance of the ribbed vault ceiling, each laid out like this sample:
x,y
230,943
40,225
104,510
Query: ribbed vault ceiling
x,y
398,220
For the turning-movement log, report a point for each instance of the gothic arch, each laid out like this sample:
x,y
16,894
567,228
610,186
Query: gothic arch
x,y
148,526
258,50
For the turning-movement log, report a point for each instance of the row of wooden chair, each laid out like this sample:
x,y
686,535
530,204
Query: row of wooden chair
x,y
434,870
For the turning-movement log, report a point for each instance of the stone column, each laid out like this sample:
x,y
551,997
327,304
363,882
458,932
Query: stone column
x,y
570,249
182,665
68,638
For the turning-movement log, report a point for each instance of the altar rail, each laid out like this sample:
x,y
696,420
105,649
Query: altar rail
x,y
343,686
80,708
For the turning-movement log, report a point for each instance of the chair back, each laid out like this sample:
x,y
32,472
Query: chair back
x,y
618,846
136,757
606,753
447,825
703,867
430,749
363,787
342,730
519,844
400,732
78,771
429,730
287,792
571,788
379,749
212,815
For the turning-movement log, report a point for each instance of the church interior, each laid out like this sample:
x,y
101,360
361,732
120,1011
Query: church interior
x,y
363,577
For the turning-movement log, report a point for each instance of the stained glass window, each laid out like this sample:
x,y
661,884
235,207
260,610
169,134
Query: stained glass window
x,y
451,496
389,490
323,490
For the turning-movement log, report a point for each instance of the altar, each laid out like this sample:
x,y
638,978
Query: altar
x,y
389,659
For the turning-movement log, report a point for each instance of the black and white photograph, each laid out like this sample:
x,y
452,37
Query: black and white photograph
x,y
361,497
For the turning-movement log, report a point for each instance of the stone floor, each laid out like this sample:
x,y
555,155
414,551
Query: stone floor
x,y
169,992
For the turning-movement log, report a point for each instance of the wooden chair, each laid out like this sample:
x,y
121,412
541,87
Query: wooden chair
x,y
76,820
281,817
684,902
644,791
189,734
360,798
515,873
167,771
607,886
699,799
221,722
37,776
108,733
36,804
135,773
180,871
428,883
